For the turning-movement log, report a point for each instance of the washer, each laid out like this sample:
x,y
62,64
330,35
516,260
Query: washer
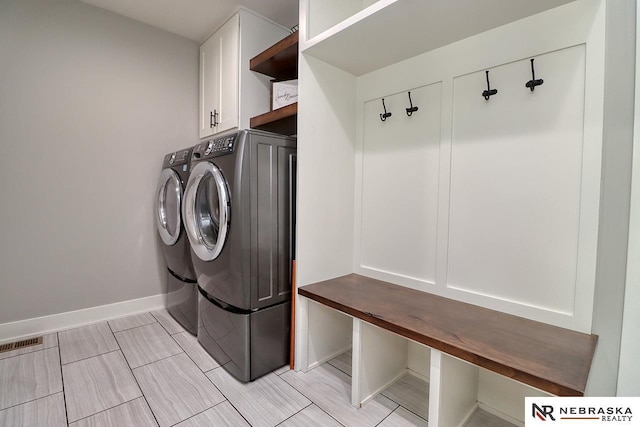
x,y
182,295
239,220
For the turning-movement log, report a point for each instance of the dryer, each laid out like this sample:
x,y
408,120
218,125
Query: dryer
x,y
238,215
181,278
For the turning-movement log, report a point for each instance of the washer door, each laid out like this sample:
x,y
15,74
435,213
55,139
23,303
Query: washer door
x,y
206,210
169,198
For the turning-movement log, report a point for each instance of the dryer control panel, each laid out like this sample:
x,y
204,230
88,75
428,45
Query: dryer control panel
x,y
180,157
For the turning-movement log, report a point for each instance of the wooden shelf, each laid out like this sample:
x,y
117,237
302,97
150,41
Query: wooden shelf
x,y
547,357
280,61
283,120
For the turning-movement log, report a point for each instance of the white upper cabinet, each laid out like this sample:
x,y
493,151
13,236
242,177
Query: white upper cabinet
x,y
209,86
229,92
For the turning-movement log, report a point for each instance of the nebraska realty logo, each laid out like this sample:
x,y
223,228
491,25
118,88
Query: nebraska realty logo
x,y
582,411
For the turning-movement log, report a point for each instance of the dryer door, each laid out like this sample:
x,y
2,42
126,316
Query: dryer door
x,y
169,197
206,210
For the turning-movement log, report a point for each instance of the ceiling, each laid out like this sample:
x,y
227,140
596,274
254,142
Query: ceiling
x,y
197,19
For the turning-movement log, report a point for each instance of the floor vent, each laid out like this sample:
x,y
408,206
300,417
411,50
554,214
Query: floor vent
x,y
20,344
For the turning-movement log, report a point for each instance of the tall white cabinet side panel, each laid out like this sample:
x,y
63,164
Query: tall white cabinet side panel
x,y
615,197
326,156
516,180
326,113
208,86
227,102
629,370
400,172
256,35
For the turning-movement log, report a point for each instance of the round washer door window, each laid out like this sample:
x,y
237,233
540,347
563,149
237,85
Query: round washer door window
x,y
206,210
168,203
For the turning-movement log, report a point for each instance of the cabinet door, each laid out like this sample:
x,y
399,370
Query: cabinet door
x,y
228,50
209,87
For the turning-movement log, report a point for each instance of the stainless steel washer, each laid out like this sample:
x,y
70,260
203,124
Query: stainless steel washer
x,y
238,217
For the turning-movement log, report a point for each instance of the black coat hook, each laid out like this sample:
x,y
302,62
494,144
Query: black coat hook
x,y
531,84
384,116
411,108
489,92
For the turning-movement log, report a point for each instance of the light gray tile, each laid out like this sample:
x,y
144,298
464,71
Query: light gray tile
x,y
134,413
167,321
342,362
129,322
482,418
266,401
176,389
410,392
48,341
192,347
311,416
47,411
29,377
402,417
146,344
222,414
96,384
87,341
330,389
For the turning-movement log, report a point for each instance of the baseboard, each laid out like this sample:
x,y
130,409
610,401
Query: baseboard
x,y
327,358
384,387
418,375
470,413
72,319
489,409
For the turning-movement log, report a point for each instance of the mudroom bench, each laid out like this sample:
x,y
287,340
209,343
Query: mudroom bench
x,y
465,344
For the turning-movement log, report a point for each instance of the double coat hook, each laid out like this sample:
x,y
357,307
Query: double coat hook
x,y
411,108
531,84
384,116
489,92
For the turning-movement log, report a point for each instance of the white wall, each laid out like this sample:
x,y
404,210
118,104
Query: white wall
x,y
89,103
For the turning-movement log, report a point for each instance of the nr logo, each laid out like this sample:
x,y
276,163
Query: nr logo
x,y
543,412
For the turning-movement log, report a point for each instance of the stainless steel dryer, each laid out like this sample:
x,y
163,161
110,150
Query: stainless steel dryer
x,y
238,217
182,296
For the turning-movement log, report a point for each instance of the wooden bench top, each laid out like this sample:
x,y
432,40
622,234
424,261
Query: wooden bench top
x,y
547,357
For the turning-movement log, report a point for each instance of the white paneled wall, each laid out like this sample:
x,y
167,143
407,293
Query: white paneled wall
x,y
492,202
516,180
400,172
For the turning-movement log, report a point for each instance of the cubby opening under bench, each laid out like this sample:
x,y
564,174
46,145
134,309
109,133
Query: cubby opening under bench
x,y
472,353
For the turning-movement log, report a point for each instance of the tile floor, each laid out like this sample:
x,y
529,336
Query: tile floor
x,y
145,370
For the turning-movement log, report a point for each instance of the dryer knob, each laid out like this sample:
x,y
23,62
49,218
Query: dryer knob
x,y
172,159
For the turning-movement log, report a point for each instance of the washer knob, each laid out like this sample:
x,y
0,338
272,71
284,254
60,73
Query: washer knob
x,y
209,148
172,159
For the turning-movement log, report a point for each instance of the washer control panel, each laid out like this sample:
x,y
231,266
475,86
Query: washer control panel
x,y
215,147
220,144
